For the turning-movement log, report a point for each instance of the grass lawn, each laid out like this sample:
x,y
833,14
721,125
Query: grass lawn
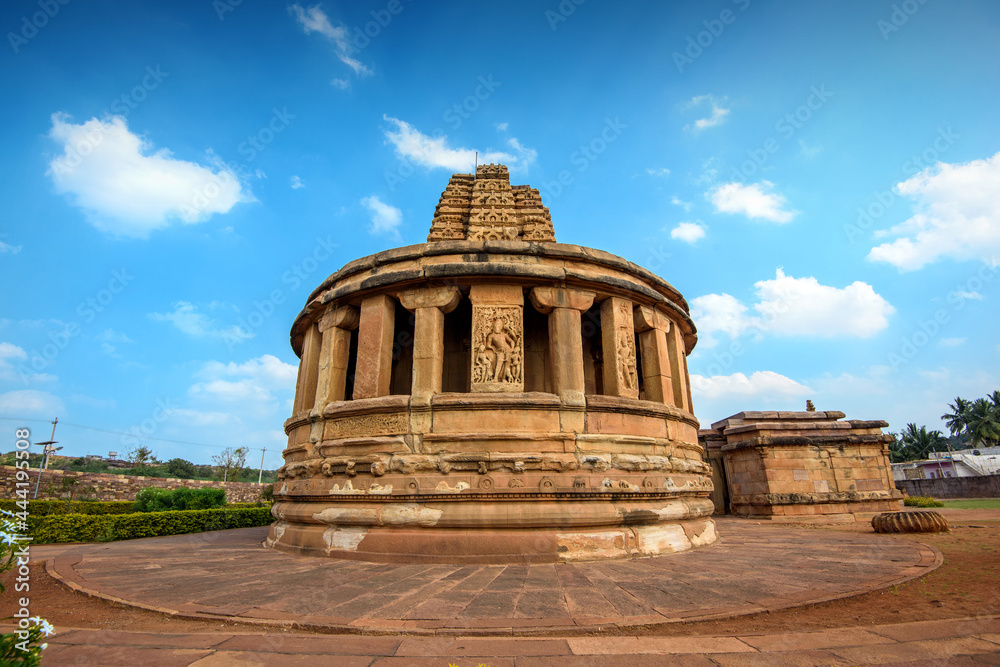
x,y
973,503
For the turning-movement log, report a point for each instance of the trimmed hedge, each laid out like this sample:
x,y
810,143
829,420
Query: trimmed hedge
x,y
110,528
153,499
51,507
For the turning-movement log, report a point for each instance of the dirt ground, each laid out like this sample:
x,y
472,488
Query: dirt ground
x,y
967,584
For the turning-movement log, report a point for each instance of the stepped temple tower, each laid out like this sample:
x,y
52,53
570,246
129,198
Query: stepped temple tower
x,y
492,396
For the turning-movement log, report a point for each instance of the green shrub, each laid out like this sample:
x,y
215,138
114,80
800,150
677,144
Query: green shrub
x,y
107,528
153,499
922,501
50,507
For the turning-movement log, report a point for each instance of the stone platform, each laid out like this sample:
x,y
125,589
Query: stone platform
x,y
228,575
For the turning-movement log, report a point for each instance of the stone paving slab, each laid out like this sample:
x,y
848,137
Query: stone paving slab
x,y
229,574
968,642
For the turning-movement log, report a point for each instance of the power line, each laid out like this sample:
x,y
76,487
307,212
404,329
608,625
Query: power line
x,y
104,430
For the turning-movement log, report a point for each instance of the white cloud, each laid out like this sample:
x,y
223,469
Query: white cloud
x,y
341,84
677,201
688,231
961,294
718,115
10,353
128,190
314,19
795,307
385,218
434,152
502,127
191,417
951,342
809,150
188,320
720,312
91,402
760,384
257,380
296,183
30,402
659,171
754,201
957,216
110,339
12,249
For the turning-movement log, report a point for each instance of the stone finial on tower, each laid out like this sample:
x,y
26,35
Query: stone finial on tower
x,y
486,207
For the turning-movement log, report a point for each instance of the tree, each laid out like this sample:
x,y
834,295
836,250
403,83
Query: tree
x,y
140,457
917,444
231,461
957,419
181,468
983,421
897,451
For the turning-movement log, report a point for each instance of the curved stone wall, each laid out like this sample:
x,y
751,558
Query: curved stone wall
x,y
493,401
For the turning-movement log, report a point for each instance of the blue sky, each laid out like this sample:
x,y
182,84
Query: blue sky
x,y
820,180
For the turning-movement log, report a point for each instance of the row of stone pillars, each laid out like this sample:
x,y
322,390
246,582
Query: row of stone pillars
x,y
497,346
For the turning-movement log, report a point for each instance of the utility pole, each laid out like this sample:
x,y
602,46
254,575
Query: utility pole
x,y
260,473
45,455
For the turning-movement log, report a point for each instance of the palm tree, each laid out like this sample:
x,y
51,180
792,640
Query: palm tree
x,y
995,398
918,443
957,418
983,422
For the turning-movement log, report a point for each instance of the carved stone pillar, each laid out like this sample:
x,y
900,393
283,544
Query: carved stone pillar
x,y
678,369
564,307
305,383
653,327
429,306
497,338
621,378
335,351
374,368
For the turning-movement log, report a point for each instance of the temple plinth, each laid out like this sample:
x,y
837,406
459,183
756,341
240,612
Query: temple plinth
x,y
492,396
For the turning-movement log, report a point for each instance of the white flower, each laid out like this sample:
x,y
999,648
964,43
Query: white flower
x,y
46,627
7,538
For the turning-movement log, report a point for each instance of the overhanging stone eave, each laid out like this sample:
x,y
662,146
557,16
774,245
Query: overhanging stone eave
x,y
538,248
485,258
802,440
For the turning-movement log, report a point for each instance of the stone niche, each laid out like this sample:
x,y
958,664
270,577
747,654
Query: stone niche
x,y
492,396
800,465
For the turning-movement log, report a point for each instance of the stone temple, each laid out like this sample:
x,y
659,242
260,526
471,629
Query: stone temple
x,y
492,396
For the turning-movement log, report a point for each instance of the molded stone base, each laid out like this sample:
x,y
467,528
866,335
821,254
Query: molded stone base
x,y
806,511
434,545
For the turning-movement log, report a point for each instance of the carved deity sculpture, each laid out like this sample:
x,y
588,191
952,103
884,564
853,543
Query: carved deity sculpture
x,y
626,359
498,357
502,345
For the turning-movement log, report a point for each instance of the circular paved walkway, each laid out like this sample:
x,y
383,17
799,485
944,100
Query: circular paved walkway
x,y
753,568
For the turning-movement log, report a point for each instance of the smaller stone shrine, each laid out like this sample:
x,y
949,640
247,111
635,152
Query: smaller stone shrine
x,y
797,465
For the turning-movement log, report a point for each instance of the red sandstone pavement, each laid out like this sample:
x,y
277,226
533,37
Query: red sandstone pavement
x,y
952,642
227,575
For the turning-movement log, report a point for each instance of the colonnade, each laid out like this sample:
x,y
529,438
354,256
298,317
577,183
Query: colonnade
x,y
636,340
